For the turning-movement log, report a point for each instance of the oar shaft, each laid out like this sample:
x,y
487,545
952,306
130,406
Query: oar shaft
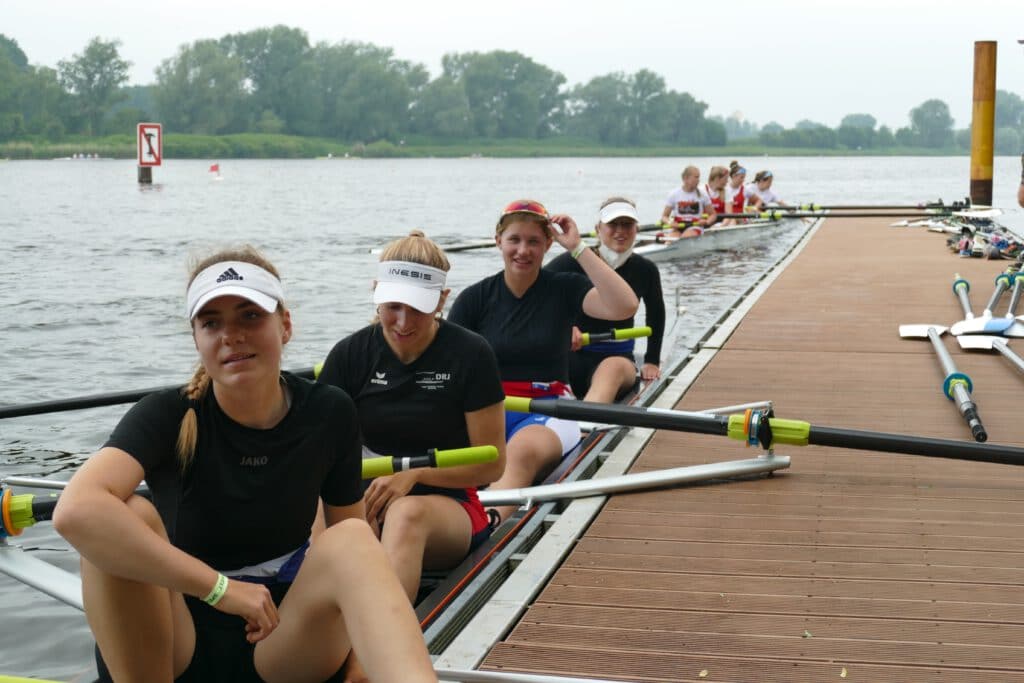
x,y
1009,355
961,288
632,416
915,445
945,360
1018,288
1002,282
96,400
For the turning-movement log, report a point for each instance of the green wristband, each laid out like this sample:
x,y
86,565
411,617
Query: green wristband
x,y
580,248
219,589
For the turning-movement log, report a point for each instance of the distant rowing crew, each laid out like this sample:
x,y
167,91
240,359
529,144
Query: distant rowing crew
x,y
690,209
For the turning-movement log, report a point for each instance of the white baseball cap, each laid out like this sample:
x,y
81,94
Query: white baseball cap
x,y
237,278
413,284
619,210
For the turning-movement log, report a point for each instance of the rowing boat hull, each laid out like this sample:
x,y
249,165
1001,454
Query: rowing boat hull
x,y
713,239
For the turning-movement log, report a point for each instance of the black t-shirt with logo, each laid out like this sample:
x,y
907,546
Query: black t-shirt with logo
x,y
408,409
249,495
531,336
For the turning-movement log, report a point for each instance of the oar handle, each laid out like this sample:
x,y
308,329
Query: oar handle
x,y
385,465
618,335
18,512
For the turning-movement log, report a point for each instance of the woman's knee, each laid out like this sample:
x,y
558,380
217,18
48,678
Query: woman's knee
x,y
406,518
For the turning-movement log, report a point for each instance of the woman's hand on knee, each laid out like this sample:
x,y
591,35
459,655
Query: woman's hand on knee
x,y
252,602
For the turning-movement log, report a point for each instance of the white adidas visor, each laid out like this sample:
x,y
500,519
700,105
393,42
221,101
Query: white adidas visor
x,y
619,210
412,284
235,278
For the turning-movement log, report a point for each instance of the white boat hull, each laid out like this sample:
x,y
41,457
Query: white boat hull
x,y
713,239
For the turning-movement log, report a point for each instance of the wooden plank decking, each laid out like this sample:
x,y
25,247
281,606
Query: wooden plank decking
x,y
850,565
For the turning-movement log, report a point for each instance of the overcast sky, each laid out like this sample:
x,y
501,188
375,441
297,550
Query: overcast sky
x,y
781,60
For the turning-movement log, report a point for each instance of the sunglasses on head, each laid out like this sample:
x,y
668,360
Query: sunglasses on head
x,y
526,206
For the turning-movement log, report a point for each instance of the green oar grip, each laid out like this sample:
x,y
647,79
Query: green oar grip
x,y
625,333
517,404
473,455
792,432
960,282
384,465
15,513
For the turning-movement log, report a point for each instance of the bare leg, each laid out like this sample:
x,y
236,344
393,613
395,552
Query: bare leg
x,y
612,376
144,632
432,531
345,596
531,451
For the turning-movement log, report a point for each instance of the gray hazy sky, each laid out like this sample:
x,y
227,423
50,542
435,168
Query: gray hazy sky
x,y
781,60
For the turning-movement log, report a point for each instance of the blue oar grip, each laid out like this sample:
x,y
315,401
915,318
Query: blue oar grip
x,y
952,380
961,282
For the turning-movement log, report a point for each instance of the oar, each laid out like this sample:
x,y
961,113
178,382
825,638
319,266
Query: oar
x,y
458,246
987,343
753,427
626,333
966,204
956,386
97,400
636,481
17,512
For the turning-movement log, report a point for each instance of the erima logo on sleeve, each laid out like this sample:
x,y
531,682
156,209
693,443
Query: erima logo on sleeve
x,y
379,379
229,274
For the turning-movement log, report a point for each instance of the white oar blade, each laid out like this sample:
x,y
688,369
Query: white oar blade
x,y
977,341
981,325
920,330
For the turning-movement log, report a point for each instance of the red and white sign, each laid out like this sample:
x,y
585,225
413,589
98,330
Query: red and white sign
x,y
150,144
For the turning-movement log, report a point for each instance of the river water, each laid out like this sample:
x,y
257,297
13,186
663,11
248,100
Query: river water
x,y
93,270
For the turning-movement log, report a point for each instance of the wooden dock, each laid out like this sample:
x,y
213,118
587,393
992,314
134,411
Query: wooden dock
x,y
848,566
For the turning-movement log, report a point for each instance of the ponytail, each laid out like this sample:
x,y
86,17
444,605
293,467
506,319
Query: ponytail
x,y
188,432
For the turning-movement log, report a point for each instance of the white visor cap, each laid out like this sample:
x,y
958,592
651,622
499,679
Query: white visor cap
x,y
412,284
234,278
619,210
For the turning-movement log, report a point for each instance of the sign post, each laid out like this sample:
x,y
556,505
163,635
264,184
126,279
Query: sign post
x,y
150,149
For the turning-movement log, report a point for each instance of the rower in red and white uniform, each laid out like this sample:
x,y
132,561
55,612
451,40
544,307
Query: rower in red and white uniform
x,y
718,177
735,196
759,193
688,209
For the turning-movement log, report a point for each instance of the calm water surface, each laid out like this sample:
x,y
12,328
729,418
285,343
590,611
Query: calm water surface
x,y
94,268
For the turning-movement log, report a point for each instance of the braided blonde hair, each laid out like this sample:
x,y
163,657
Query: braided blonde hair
x,y
197,387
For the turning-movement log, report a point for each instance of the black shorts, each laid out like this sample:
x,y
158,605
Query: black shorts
x,y
222,653
583,364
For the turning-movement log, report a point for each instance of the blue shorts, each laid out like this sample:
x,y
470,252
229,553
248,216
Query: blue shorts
x,y
568,431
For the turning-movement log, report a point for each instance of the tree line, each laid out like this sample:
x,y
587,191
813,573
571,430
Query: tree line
x,y
272,80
